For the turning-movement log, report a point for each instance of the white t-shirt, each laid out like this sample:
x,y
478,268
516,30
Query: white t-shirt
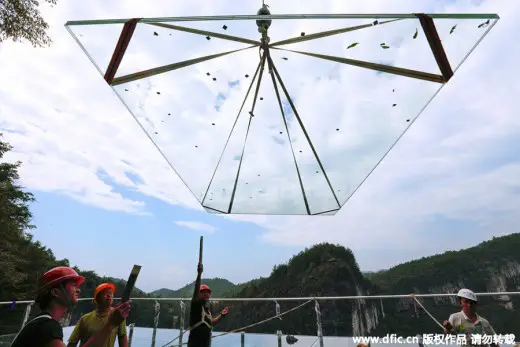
x,y
462,325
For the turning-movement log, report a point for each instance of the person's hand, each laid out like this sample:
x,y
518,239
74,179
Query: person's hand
x,y
199,268
447,325
119,313
225,311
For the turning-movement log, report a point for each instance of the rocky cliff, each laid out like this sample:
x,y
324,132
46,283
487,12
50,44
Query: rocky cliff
x,y
323,270
492,266
328,270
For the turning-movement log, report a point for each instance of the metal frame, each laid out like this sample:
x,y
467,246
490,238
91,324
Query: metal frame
x,y
289,16
426,21
436,46
119,51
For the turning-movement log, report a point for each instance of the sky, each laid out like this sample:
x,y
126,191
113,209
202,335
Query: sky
x,y
107,198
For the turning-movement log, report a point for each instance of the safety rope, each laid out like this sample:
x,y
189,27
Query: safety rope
x,y
239,329
427,312
263,321
312,344
189,329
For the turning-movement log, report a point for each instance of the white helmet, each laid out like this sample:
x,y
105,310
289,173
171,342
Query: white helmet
x,y
467,294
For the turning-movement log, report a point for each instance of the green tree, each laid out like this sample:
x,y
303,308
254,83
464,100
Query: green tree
x,y
15,220
21,20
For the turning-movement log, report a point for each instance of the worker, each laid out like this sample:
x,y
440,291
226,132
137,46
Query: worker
x,y
57,294
467,321
201,320
92,322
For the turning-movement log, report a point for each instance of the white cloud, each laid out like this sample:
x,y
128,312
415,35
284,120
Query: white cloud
x,y
197,226
68,127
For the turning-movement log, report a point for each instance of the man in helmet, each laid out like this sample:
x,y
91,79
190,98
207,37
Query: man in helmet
x,y
201,321
467,321
94,321
57,293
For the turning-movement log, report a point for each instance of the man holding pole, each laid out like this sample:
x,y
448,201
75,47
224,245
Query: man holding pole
x,y
92,322
201,320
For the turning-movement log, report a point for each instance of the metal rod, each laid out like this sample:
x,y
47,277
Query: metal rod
x,y
327,33
26,315
156,321
374,66
167,68
305,133
131,334
319,298
207,33
251,113
304,195
181,324
318,323
288,16
229,137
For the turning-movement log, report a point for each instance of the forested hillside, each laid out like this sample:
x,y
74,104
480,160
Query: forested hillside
x,y
492,266
326,270
323,270
219,287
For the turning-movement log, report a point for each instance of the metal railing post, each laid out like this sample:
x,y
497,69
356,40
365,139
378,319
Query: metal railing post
x,y
156,321
131,334
181,324
318,322
26,314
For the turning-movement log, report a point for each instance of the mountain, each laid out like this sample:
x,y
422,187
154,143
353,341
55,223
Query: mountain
x,y
219,287
323,270
492,266
327,270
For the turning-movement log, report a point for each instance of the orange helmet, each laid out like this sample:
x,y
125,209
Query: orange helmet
x,y
56,276
204,287
104,286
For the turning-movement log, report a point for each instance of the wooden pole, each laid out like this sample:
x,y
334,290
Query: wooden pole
x,y
200,249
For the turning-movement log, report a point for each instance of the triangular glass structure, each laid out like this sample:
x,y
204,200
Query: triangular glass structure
x,y
284,119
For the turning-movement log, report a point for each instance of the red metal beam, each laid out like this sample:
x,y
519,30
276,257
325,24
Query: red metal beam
x,y
435,44
119,51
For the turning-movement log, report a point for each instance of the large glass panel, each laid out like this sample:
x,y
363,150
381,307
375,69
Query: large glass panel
x,y
351,100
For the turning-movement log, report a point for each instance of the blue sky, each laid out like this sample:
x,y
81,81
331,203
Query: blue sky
x,y
77,231
107,199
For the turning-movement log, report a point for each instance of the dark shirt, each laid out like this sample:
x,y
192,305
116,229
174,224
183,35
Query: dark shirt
x,y
201,335
38,332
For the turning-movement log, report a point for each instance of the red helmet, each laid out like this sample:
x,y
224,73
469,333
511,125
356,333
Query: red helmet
x,y
204,287
54,277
